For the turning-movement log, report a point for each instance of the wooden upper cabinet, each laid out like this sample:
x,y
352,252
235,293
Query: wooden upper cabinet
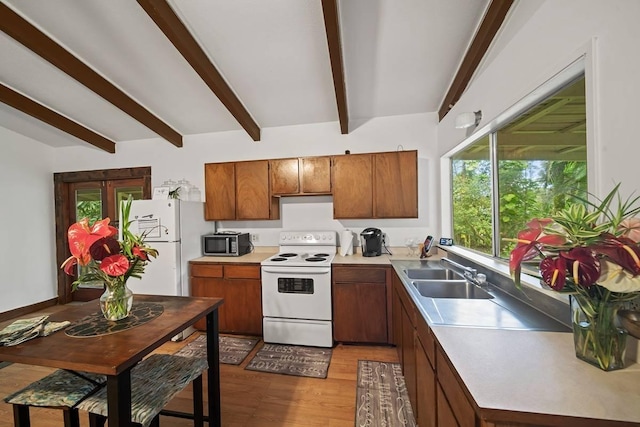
x,y
315,177
239,191
253,198
378,185
395,184
369,185
284,176
220,191
353,186
300,176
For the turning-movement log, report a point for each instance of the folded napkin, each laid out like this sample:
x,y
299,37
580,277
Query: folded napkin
x,y
25,329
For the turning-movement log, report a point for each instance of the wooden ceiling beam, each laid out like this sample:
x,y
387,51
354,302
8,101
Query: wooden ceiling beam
x,y
173,28
332,28
28,106
32,38
493,19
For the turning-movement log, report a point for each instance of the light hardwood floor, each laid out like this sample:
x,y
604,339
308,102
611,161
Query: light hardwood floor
x,y
249,398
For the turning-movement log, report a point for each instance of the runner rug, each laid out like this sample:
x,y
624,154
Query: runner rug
x,y
292,360
381,396
233,350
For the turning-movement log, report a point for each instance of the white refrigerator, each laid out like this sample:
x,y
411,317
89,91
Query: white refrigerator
x,y
174,228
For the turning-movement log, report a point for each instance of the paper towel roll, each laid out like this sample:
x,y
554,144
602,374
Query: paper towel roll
x,y
346,243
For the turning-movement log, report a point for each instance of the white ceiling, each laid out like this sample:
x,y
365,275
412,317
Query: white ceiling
x,y
399,58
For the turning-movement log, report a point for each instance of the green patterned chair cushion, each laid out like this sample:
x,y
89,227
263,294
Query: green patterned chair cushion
x,y
154,382
61,389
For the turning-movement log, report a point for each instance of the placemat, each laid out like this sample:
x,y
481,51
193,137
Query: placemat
x,y
95,324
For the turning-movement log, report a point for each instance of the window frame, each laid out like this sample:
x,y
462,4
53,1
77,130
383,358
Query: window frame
x,y
571,73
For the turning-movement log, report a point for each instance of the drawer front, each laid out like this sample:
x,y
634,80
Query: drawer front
x,y
359,275
236,271
206,270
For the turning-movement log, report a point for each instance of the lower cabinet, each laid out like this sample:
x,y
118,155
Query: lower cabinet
x,y
437,399
240,286
361,302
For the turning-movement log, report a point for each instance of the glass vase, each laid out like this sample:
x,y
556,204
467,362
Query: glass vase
x,y
116,302
597,337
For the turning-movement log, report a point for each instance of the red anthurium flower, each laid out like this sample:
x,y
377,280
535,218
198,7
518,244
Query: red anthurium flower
x,y
140,253
621,250
115,265
554,272
530,242
583,266
68,265
104,247
81,237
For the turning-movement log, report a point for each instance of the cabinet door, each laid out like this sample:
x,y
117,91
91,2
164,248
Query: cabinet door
x,y
220,191
453,393
243,307
352,186
395,187
253,200
211,287
425,409
445,413
315,175
284,176
409,356
360,312
396,308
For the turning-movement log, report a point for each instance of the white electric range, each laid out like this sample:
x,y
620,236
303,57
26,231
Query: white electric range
x,y
296,289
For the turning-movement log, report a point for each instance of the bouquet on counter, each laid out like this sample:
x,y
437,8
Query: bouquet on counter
x,y
590,251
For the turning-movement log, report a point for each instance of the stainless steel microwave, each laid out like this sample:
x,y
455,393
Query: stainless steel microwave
x,y
226,244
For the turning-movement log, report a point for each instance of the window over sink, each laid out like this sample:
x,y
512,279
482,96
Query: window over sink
x,y
525,168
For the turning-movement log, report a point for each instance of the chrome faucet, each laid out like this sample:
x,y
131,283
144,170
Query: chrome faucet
x,y
467,272
470,274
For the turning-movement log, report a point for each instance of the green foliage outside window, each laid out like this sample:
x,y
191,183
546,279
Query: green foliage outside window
x,y
89,209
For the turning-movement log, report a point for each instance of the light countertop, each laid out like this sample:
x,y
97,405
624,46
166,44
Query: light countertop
x,y
261,253
538,372
513,373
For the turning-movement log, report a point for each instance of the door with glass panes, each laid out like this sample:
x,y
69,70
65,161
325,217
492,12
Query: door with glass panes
x,y
96,200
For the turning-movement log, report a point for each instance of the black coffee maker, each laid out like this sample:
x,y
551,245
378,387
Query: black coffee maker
x,y
371,242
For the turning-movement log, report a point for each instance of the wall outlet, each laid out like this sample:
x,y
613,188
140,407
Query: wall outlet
x,y
254,237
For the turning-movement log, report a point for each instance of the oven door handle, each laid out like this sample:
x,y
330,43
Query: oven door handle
x,y
294,270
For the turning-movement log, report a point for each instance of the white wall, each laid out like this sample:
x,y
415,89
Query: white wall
x,y
383,134
550,35
27,248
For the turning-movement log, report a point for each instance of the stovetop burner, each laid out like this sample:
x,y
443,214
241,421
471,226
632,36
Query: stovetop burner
x,y
304,249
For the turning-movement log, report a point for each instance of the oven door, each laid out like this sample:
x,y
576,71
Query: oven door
x,y
296,292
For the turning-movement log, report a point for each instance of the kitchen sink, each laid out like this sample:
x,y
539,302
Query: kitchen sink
x,y
450,289
433,274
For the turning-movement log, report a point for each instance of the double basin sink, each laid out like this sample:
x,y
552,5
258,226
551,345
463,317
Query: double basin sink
x,y
454,297
444,283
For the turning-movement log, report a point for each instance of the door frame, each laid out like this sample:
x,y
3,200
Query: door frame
x,y
61,182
